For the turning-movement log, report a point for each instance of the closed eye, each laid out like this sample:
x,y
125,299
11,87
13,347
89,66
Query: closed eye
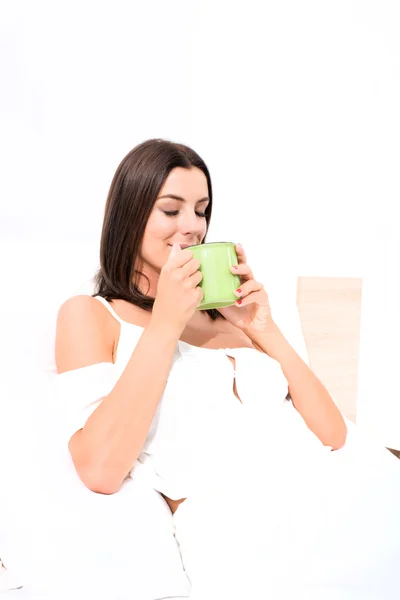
x,y
174,213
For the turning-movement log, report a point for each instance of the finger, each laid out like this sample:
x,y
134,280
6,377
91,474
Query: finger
x,y
175,249
240,253
257,297
195,279
243,270
200,295
178,257
191,267
248,287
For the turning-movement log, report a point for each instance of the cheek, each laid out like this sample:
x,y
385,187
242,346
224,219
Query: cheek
x,y
159,228
166,228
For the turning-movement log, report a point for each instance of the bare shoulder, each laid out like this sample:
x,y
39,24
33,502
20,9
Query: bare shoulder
x,y
85,334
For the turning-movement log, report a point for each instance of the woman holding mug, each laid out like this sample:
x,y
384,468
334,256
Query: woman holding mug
x,y
213,408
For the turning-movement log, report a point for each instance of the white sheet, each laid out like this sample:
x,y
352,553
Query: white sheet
x,y
328,531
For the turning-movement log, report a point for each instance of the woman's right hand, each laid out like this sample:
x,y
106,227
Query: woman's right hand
x,y
178,294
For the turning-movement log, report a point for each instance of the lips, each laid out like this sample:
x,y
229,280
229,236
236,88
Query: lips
x,y
182,245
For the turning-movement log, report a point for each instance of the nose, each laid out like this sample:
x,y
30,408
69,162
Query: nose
x,y
190,223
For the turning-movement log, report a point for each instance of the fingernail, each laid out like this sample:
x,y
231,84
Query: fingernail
x,y
239,291
235,266
239,302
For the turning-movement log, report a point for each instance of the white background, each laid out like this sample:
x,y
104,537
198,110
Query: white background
x,y
293,105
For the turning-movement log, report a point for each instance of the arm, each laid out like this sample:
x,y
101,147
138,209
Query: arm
x,y
308,394
105,449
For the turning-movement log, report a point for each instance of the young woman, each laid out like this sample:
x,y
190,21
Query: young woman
x,y
214,409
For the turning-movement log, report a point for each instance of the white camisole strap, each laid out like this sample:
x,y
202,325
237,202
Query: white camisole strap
x,y
110,309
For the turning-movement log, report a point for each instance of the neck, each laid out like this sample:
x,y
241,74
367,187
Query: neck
x,y
147,280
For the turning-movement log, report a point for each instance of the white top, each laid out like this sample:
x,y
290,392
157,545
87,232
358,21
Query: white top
x,y
199,423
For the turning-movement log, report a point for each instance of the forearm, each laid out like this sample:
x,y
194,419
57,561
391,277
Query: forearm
x,y
308,394
113,436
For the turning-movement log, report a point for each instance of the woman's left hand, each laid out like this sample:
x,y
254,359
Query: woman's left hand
x,y
251,312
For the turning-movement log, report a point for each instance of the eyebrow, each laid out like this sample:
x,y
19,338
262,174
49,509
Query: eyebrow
x,y
174,197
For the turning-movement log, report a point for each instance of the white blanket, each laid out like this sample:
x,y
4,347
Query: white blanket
x,y
277,513
296,522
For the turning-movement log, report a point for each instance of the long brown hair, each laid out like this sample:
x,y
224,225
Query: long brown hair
x,y
132,195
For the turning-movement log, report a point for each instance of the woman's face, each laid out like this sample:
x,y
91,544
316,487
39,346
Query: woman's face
x,y
175,220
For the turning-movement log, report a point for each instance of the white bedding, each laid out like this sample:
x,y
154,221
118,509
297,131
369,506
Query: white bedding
x,y
244,541
201,545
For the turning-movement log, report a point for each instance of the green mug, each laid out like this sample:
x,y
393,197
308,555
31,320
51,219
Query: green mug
x,y
218,283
